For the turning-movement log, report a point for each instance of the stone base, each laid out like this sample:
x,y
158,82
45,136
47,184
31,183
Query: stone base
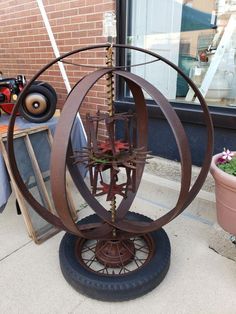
x,y
171,170
221,242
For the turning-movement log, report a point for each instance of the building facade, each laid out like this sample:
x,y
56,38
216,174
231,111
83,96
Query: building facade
x,y
199,36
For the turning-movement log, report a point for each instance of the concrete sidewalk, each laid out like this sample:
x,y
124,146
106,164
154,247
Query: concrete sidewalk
x,y
199,280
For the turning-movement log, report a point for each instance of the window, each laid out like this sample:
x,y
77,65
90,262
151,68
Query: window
x,y
197,35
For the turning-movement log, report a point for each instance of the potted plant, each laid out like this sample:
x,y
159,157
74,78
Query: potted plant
x,y
223,170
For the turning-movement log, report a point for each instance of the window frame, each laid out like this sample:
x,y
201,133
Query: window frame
x,y
187,111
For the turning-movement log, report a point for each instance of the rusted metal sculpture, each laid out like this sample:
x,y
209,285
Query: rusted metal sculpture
x,y
111,154
113,255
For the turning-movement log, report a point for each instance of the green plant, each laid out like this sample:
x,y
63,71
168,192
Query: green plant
x,y
227,162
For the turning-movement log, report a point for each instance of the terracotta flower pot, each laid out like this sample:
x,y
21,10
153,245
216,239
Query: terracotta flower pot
x,y
225,191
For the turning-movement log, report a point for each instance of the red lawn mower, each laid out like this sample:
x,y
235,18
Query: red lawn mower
x,y
39,103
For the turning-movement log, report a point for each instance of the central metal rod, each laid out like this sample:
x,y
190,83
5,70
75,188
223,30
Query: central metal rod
x,y
110,103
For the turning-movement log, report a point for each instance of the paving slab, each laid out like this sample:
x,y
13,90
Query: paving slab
x,y
199,280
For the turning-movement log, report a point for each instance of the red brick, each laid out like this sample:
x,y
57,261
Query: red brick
x,y
91,2
87,26
86,10
25,46
77,4
104,7
94,17
87,40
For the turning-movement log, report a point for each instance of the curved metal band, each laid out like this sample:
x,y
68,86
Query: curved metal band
x,y
60,156
184,152
142,118
125,225
142,137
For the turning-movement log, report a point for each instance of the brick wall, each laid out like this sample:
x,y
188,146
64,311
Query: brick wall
x,y
25,46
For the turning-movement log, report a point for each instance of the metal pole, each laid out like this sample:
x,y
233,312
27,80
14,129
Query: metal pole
x,y
57,54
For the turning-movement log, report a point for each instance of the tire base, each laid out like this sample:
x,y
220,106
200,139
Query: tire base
x,y
115,287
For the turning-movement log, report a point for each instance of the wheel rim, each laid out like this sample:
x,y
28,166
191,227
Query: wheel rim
x,y
88,253
35,103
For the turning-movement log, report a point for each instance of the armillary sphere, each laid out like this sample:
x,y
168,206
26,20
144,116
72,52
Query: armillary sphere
x,y
114,254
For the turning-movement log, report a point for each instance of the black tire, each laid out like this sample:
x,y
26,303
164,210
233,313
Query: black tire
x,y
46,104
115,287
48,86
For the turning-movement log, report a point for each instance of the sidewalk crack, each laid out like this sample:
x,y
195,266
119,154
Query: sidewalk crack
x,y
22,246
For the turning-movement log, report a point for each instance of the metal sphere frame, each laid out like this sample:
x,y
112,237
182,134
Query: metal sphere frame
x,y
62,150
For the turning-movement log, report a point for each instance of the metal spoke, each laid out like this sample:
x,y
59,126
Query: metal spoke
x,y
87,248
143,250
91,261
